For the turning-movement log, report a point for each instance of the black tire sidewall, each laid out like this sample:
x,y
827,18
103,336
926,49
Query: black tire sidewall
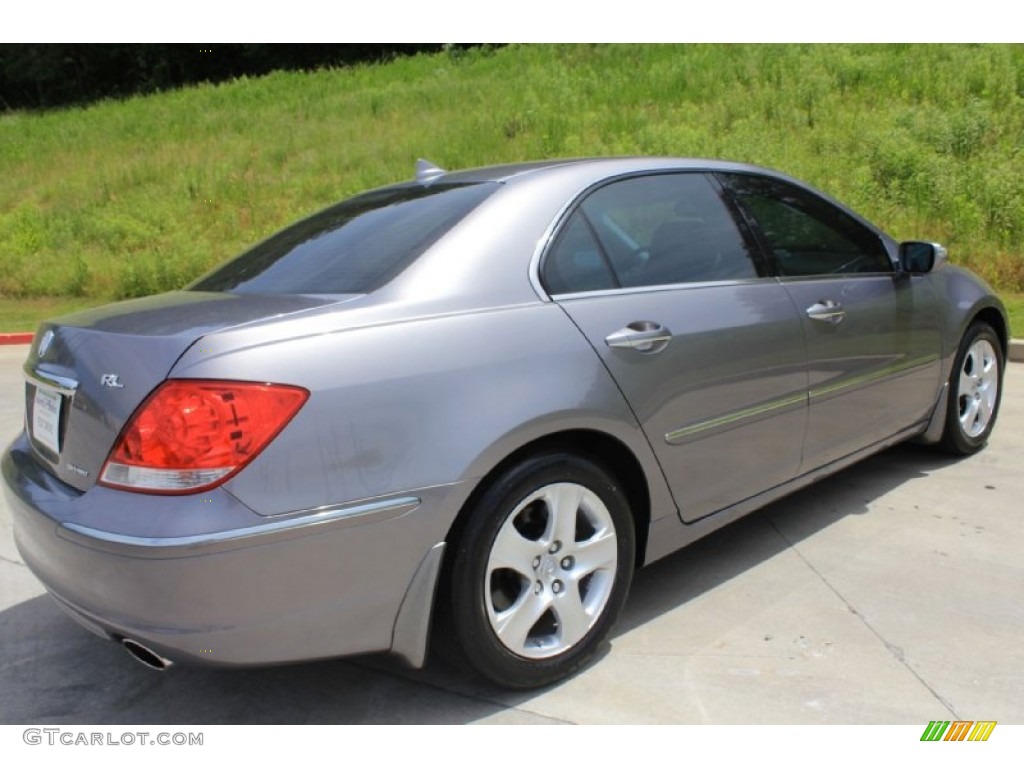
x,y
479,645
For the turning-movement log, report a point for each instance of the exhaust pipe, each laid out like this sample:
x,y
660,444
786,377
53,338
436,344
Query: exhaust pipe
x,y
146,656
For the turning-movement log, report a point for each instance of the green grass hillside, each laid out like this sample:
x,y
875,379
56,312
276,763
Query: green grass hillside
x,y
126,198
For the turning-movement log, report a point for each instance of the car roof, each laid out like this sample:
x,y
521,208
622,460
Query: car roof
x,y
612,165
591,170
490,244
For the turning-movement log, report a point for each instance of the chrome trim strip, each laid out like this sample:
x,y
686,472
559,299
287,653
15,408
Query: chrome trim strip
x,y
321,516
747,413
895,369
695,285
542,245
837,275
47,380
668,536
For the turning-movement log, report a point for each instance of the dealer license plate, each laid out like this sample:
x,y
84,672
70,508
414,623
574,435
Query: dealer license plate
x,y
46,419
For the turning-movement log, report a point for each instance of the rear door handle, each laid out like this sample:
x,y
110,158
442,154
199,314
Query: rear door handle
x,y
642,335
827,312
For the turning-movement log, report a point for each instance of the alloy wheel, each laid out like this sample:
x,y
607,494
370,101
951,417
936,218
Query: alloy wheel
x,y
551,570
978,388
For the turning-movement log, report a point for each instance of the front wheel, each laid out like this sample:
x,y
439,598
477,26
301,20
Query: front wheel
x,y
974,391
541,570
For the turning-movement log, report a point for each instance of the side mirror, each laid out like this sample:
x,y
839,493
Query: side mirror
x,y
918,258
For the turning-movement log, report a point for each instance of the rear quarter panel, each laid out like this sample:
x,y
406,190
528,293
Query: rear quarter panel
x,y
411,404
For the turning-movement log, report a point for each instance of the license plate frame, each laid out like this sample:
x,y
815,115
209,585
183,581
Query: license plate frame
x,y
46,410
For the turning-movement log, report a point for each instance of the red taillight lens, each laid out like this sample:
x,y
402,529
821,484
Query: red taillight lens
x,y
192,435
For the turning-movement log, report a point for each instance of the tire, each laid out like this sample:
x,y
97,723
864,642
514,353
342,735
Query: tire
x,y
541,570
975,389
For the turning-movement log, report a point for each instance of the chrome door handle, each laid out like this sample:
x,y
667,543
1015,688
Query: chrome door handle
x,y
827,312
642,335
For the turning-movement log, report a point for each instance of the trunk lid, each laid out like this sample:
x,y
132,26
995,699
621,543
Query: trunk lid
x,y
86,373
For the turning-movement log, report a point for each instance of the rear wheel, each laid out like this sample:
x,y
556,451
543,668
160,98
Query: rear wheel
x,y
975,386
541,570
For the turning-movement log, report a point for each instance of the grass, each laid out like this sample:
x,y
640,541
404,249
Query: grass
x,y
125,198
1015,309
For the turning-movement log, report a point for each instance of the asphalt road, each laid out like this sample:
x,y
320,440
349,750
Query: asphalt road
x,y
889,593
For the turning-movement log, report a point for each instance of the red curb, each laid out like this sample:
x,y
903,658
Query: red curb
x,y
16,338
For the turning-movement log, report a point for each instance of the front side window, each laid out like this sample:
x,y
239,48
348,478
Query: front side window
x,y
645,231
353,247
805,234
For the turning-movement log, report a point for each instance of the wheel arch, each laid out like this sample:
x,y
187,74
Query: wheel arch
x,y
610,456
992,316
419,617
608,451
995,319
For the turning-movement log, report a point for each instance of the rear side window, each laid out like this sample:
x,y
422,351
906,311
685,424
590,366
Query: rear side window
x,y
576,262
353,247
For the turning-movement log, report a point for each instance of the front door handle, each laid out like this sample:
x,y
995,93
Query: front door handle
x,y
642,335
827,312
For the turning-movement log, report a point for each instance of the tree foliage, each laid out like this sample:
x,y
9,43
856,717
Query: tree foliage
x,y
34,76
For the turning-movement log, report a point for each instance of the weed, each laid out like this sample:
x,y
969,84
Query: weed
x,y
125,198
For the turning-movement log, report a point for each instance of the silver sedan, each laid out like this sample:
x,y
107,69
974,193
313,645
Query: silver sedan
x,y
471,405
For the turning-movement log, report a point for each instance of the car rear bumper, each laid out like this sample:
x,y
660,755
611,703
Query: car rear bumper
x,y
243,589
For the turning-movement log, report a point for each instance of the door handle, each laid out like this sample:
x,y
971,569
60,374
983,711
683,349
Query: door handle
x,y
827,312
642,335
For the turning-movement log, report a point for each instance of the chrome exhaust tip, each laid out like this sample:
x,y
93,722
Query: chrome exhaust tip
x,y
146,656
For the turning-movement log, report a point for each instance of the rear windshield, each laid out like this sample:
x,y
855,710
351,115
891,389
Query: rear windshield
x,y
353,247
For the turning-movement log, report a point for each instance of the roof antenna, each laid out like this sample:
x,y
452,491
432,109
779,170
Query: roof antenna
x,y
426,171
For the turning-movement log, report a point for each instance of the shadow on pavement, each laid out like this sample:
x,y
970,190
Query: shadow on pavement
x,y
51,671
725,554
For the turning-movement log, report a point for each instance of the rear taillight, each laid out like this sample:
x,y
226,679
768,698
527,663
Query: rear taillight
x,y
191,435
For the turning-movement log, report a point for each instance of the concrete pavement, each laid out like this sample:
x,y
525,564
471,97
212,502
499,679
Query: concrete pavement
x,y
889,593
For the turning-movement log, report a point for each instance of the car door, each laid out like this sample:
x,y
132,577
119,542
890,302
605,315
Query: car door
x,y
873,336
706,347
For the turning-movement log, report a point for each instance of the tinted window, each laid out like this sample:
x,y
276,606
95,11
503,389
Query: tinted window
x,y
353,247
655,230
576,262
807,235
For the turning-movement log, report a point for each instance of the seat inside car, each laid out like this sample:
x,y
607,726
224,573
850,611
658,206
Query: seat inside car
x,y
680,253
